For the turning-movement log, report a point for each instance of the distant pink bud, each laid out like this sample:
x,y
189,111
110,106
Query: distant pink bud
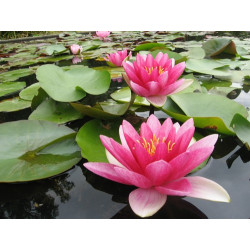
x,y
102,34
75,49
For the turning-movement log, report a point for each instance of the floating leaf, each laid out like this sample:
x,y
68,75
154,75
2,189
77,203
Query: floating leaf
x,y
102,110
241,126
58,112
208,111
14,104
149,46
29,92
33,150
11,87
216,46
13,75
196,53
124,95
206,66
88,139
55,49
72,85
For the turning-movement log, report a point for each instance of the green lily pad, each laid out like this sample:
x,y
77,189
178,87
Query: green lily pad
x,y
13,75
29,92
90,45
88,138
114,71
210,83
216,46
149,46
33,150
241,126
14,104
207,66
55,49
124,95
224,91
102,110
208,111
195,53
58,112
11,87
72,85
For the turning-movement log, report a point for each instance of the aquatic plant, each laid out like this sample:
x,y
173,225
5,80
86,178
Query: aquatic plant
x,y
117,58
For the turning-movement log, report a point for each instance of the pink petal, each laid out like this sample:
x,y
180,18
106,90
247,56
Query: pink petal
x,y
184,136
133,178
180,187
141,155
165,128
158,172
170,89
206,142
153,87
128,129
146,202
122,138
129,69
185,84
176,72
149,61
146,132
105,170
112,159
163,80
207,189
159,57
154,124
139,90
157,101
140,60
120,153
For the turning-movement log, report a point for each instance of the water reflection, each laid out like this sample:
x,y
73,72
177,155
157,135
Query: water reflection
x,y
242,152
175,208
35,200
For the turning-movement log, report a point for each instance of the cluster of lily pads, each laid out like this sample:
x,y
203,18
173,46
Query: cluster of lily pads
x,y
101,96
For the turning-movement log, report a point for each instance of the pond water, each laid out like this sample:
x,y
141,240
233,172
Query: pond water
x,y
78,193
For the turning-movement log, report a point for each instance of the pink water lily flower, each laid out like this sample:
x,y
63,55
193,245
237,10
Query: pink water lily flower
x,y
155,78
118,57
157,161
75,49
102,34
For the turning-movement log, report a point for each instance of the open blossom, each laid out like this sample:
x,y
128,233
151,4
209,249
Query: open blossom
x,y
75,49
157,161
102,34
155,78
118,57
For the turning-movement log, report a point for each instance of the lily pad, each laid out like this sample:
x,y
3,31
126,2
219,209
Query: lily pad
x,y
102,110
33,150
14,104
241,126
13,75
58,112
149,46
216,46
209,111
88,138
29,92
207,66
72,85
55,49
11,87
124,95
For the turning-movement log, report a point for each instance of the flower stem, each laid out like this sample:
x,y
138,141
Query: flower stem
x,y
151,109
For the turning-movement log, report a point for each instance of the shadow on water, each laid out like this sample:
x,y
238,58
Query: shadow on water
x,y
34,200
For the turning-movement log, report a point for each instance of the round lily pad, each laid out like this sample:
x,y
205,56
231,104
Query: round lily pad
x,y
11,87
72,85
33,150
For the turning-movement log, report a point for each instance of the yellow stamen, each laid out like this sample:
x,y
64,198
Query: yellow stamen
x,y
152,144
150,70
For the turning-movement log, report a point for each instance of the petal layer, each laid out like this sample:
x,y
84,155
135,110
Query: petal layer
x,y
146,202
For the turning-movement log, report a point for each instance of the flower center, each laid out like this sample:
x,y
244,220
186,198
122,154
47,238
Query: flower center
x,y
152,144
150,70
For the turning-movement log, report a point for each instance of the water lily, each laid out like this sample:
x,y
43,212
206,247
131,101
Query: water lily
x,y
102,34
155,78
117,58
75,49
156,162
